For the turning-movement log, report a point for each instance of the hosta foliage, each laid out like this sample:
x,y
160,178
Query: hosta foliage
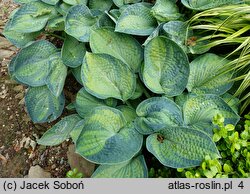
x,y
139,89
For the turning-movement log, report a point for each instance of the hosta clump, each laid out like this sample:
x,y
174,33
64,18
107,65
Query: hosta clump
x,y
135,98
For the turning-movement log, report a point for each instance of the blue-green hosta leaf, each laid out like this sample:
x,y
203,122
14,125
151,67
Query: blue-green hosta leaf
x,y
31,17
202,109
11,69
182,98
120,46
166,67
75,2
165,10
136,19
73,52
157,113
85,102
60,131
138,91
180,147
135,168
51,2
102,5
110,102
206,76
71,106
17,38
207,4
62,8
23,1
107,77
128,112
114,14
76,131
42,105
33,63
77,74
79,21
155,33
232,101
56,24
57,75
107,138
120,3
103,20
177,31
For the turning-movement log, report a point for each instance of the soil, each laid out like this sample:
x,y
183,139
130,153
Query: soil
x,y
18,135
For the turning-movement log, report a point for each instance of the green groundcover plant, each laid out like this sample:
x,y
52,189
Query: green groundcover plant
x,y
144,88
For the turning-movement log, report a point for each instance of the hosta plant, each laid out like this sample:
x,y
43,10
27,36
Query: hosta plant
x,y
142,91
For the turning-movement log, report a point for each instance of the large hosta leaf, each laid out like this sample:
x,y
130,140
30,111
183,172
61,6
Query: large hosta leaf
x,y
105,76
33,63
206,76
102,5
135,168
136,19
75,2
56,24
77,74
23,1
121,46
165,10
42,105
76,131
60,131
58,73
166,67
177,31
73,52
51,2
85,102
17,38
207,4
31,17
107,138
62,8
79,21
180,147
157,113
120,3
201,109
